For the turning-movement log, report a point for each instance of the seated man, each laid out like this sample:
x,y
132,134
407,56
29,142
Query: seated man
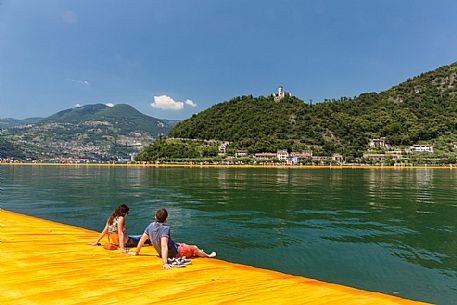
x,y
159,234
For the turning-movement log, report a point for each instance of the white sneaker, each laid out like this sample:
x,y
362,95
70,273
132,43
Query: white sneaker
x,y
173,262
184,261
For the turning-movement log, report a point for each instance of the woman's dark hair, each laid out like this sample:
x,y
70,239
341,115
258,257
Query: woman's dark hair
x,y
161,215
121,210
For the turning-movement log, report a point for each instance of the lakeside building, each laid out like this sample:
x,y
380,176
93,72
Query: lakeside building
x,y
292,160
396,151
132,156
265,156
282,154
381,156
319,158
302,155
223,148
378,143
295,157
422,148
241,153
337,158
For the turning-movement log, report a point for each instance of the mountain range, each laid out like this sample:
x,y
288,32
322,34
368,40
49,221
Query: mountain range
x,y
9,123
420,110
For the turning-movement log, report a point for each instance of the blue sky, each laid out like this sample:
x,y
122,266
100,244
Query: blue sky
x,y
190,55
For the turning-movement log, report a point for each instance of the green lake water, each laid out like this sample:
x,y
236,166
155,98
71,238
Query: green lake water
x,y
387,230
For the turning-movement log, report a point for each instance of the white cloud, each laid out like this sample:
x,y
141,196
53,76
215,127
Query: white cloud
x,y
167,103
109,104
81,82
190,103
70,17
78,105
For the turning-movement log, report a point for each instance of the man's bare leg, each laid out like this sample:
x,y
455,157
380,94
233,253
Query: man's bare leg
x,y
202,253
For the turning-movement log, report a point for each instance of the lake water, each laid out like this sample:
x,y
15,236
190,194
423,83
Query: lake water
x,y
387,230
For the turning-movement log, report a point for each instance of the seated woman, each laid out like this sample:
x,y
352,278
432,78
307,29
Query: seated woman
x,y
117,231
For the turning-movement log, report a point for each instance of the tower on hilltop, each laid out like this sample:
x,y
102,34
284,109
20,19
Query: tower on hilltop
x,y
278,96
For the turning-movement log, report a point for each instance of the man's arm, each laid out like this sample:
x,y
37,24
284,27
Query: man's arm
x,y
164,246
143,238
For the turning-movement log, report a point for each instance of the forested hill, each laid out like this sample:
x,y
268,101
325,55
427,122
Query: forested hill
x,y
422,109
91,132
123,117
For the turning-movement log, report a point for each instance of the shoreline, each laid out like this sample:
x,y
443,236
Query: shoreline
x,y
235,166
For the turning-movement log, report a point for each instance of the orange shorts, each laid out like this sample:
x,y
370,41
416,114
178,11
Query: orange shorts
x,y
186,250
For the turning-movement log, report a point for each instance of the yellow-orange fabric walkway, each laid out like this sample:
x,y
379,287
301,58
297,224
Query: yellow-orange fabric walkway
x,y
43,262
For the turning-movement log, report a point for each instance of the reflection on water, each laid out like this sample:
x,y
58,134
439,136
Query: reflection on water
x,y
388,230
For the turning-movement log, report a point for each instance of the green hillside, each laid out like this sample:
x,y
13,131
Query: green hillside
x,y
8,149
420,110
123,117
91,132
10,123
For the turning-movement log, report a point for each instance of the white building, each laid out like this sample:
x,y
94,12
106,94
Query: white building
x,y
133,156
265,156
337,158
378,143
422,148
381,156
302,155
278,96
282,154
223,148
292,160
241,153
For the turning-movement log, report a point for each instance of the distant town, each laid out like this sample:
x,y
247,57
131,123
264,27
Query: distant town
x,y
378,153
96,142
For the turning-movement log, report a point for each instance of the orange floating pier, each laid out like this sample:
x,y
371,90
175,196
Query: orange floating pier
x,y
43,262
